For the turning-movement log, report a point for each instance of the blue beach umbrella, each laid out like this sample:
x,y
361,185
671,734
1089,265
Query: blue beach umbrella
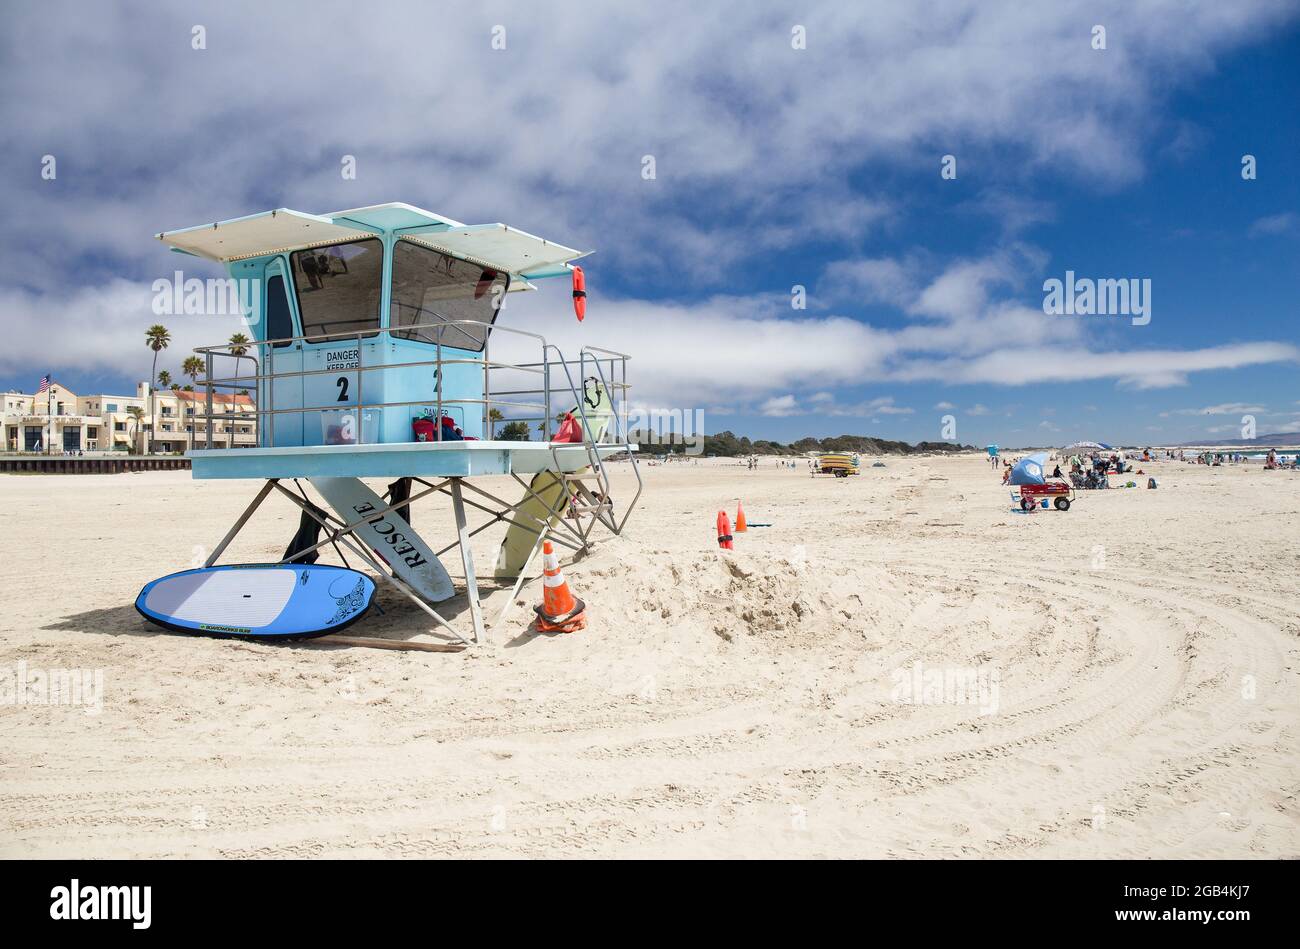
x,y
1029,470
992,450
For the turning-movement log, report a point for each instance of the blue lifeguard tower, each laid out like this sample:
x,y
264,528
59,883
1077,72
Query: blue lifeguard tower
x,y
373,330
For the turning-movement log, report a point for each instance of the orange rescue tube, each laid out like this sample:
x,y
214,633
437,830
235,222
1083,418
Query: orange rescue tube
x,y
579,293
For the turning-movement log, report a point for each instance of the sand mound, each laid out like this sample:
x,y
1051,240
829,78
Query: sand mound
x,y
749,597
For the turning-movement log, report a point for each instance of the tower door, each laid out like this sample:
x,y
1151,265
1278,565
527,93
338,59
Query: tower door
x,y
281,392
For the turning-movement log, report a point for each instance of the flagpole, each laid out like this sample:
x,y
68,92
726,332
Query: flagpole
x,y
49,411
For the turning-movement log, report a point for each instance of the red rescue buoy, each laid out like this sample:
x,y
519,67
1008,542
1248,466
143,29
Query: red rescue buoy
x,y
579,293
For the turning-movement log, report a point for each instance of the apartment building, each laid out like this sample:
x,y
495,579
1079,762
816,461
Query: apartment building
x,y
60,421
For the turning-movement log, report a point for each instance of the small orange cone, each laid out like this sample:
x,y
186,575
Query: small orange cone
x,y
740,519
724,531
561,611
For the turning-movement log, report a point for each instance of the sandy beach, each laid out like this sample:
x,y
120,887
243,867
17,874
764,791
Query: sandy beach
x,y
1136,663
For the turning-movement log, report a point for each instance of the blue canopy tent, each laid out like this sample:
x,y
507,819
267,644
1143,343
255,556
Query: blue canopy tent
x,y
1029,470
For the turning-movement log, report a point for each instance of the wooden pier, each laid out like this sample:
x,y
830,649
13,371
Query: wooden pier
x,y
57,464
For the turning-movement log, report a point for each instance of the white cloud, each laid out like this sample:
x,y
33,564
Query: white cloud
x,y
100,329
780,406
1224,408
883,405
716,351
824,404
870,280
1138,369
758,146
1273,224
962,288
735,348
943,406
1014,212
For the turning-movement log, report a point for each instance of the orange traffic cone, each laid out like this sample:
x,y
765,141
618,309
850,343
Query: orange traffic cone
x,y
561,611
740,519
724,531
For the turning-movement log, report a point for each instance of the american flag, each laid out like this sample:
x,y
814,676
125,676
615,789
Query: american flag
x,y
44,386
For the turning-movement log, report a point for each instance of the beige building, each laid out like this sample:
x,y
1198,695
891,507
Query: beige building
x,y
61,421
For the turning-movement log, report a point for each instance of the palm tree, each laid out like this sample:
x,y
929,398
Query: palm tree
x,y
156,338
181,409
136,414
239,348
164,381
191,366
494,415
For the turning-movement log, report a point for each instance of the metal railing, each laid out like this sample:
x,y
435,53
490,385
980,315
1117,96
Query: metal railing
x,y
540,398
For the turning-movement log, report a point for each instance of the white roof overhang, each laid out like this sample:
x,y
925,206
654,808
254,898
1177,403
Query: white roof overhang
x,y
258,234
500,247
495,246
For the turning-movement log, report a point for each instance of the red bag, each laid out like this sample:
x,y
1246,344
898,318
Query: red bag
x,y
570,430
424,430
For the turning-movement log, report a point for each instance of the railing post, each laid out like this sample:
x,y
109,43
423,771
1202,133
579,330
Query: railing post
x,y
360,434
437,423
208,385
267,437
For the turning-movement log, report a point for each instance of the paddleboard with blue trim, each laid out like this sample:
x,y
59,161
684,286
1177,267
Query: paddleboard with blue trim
x,y
258,601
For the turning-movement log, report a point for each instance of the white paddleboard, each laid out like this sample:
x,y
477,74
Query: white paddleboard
x,y
260,601
389,536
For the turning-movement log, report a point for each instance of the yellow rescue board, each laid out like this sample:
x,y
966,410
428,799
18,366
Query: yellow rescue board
x,y
548,491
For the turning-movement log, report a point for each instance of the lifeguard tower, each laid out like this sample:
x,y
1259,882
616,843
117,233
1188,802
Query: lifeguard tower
x,y
373,330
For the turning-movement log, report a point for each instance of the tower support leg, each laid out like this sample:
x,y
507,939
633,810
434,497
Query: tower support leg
x,y
467,559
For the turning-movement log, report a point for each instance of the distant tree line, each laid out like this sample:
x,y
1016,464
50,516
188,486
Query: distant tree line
x,y
729,445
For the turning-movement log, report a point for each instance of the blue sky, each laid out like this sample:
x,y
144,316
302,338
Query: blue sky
x,y
774,167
